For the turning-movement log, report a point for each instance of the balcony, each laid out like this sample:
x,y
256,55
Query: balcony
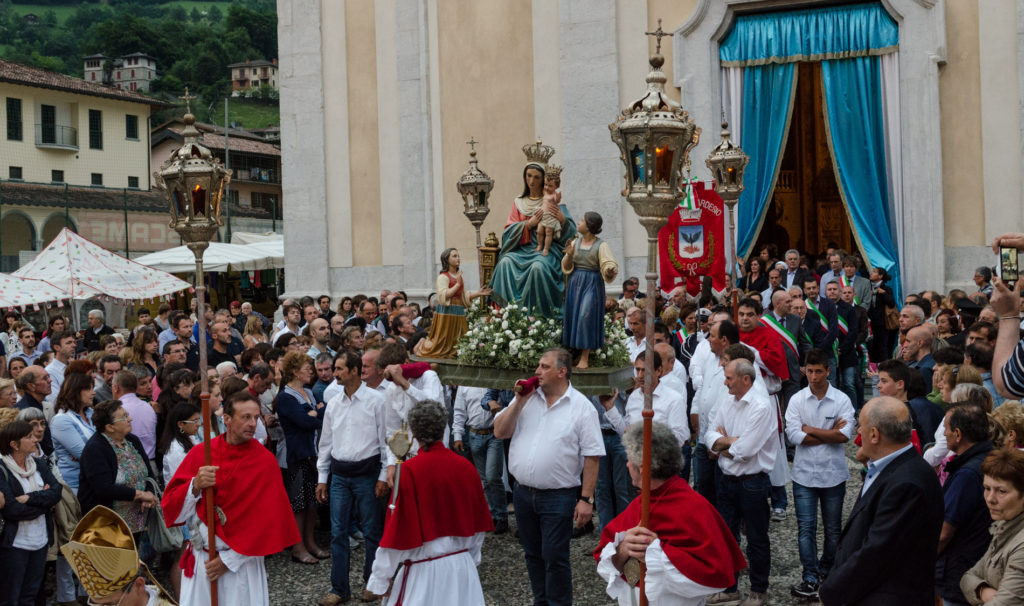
x,y
54,136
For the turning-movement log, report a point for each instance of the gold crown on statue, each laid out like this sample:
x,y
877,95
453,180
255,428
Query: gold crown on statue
x,y
554,171
538,153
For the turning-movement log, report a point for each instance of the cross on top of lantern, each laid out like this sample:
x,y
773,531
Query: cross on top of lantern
x,y
194,181
727,163
475,187
654,135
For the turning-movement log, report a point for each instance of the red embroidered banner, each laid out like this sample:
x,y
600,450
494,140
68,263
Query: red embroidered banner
x,y
692,244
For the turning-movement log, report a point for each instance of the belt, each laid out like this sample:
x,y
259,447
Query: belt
x,y
482,432
609,432
532,489
749,476
405,573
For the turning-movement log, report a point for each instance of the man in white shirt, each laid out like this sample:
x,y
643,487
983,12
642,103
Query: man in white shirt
x,y
143,416
402,393
774,281
292,318
708,379
556,437
635,319
819,420
353,447
743,437
674,373
64,344
669,405
488,452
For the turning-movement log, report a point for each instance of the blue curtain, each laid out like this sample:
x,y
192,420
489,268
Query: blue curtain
x,y
853,110
840,32
768,92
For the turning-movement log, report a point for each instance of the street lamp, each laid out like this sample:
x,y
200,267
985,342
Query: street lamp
x,y
654,135
194,182
727,163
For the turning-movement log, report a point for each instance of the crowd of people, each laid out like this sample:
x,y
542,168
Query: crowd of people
x,y
307,406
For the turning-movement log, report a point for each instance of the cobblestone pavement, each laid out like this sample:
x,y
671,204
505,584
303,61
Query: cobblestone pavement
x,y
503,570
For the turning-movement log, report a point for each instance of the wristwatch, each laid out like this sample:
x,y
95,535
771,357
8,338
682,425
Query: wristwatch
x,y
587,500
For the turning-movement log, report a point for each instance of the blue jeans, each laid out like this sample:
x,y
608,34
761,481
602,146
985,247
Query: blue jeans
x,y
614,486
350,497
24,571
489,457
806,501
705,472
745,499
848,379
544,519
684,473
779,500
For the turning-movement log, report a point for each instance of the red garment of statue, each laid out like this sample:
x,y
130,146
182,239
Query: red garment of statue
x,y
517,217
769,345
258,519
439,495
693,536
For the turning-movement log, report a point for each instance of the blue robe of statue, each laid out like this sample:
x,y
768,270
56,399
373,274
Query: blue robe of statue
x,y
525,277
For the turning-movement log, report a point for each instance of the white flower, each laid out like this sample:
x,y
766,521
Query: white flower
x,y
504,324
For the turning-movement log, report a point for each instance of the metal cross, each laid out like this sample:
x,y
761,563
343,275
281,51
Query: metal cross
x,y
188,101
659,34
472,144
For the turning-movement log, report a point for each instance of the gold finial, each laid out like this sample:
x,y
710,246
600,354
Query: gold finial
x,y
659,34
188,101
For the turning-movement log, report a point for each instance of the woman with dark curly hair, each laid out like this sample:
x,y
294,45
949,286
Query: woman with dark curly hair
x,y
301,418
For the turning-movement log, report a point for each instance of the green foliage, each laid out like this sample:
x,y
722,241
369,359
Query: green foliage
x,y
193,42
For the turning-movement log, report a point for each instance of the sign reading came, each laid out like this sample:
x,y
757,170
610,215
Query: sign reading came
x,y
146,231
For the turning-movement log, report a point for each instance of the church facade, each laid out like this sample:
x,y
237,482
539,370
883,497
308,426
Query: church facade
x,y
378,98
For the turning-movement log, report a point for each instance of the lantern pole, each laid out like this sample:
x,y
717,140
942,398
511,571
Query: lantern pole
x,y
475,188
194,182
654,135
727,163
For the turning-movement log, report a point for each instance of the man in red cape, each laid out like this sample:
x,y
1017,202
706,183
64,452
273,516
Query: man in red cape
x,y
253,517
688,548
433,535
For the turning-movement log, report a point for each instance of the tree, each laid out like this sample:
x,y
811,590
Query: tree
x,y
215,14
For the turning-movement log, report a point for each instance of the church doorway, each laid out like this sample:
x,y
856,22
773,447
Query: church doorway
x,y
806,211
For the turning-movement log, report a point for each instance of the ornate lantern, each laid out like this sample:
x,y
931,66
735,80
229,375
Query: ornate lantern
x,y
475,187
194,182
654,135
727,163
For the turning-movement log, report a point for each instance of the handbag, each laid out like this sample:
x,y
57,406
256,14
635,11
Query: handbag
x,y
161,537
892,318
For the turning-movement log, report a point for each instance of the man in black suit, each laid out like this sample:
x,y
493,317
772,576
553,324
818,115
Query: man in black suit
x,y
887,552
794,274
780,312
821,323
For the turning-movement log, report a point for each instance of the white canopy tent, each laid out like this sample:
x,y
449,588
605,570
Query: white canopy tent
x,y
83,270
20,292
219,256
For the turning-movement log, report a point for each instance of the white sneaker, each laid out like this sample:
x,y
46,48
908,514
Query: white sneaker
x,y
778,514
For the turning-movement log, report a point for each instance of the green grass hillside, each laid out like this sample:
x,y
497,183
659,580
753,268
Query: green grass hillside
x,y
63,11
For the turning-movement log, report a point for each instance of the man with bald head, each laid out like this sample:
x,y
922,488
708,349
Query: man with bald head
x,y
887,552
780,318
917,353
320,330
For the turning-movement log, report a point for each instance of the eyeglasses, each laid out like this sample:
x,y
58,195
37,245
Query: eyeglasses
x,y
190,422
38,422
120,419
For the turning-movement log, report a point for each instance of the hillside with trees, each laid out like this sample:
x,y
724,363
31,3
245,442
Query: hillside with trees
x,y
192,42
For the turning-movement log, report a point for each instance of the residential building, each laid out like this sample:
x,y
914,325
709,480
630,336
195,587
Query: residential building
x,y
132,72
253,74
75,154
254,194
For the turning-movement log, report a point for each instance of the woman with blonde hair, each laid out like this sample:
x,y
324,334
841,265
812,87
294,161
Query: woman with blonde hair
x,y
253,333
1009,425
8,393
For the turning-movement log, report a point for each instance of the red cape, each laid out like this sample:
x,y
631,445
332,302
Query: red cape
x,y
439,495
769,344
249,490
693,536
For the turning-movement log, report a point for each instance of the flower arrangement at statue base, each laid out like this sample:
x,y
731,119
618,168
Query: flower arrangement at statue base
x,y
513,338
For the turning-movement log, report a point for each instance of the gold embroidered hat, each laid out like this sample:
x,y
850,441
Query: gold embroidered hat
x,y
102,552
